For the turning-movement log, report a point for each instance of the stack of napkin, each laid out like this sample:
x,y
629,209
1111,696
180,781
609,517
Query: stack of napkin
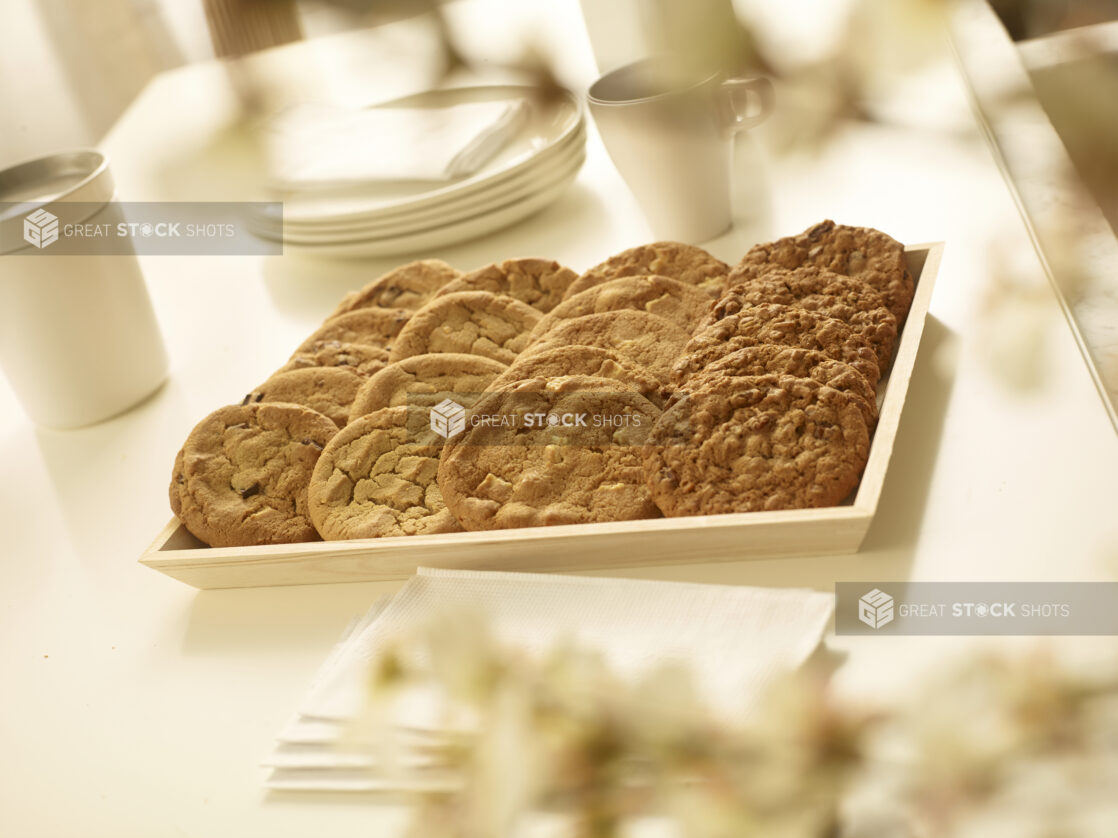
x,y
735,640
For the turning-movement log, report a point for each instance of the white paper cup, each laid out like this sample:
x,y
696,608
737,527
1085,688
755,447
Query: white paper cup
x,y
79,341
668,130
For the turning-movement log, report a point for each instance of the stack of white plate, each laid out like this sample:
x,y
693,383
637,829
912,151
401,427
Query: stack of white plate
x,y
390,219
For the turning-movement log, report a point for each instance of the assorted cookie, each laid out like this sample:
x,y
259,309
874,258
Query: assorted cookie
x,y
408,287
243,474
371,326
685,262
532,474
328,390
584,360
468,322
648,341
683,304
540,283
362,358
659,382
377,478
425,380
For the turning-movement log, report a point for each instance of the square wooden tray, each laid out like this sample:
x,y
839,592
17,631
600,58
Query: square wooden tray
x,y
794,532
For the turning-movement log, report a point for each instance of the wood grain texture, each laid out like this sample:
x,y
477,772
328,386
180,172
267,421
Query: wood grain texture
x,y
733,537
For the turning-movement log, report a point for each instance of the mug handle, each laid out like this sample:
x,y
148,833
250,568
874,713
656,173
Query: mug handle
x,y
738,93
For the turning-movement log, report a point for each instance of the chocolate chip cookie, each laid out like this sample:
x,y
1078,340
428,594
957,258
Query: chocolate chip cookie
x,y
650,342
244,472
548,467
469,322
583,360
378,478
683,304
781,325
408,286
769,359
740,445
540,283
849,299
425,380
367,326
361,358
852,251
685,262
329,390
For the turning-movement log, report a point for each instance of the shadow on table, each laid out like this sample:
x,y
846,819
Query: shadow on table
x,y
280,620
299,284
88,465
888,549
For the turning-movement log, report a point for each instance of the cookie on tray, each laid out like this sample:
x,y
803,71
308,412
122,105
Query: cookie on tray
x,y
469,322
378,478
781,325
361,358
683,304
529,472
743,445
849,299
645,340
851,251
329,390
425,380
367,326
540,283
770,359
409,287
242,478
583,360
685,262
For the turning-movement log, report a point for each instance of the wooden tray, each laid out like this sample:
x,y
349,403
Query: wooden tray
x,y
794,532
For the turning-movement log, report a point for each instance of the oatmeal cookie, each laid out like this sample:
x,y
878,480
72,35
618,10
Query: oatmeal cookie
x,y
851,251
740,445
849,299
767,358
781,325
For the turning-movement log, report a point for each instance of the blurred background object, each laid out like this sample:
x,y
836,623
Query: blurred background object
x,y
832,64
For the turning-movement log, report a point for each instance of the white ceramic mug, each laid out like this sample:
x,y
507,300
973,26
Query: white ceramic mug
x,y
668,130
79,340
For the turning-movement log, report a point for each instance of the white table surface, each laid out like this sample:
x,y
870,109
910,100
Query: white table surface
x,y
134,705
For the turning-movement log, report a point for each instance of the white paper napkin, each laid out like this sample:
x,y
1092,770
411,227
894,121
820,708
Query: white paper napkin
x,y
315,146
735,640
